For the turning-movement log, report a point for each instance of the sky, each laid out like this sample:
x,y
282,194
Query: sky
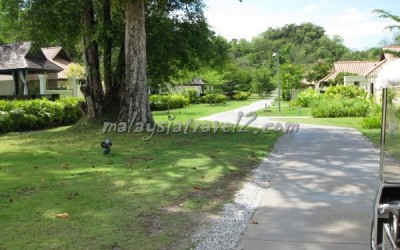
x,y
353,20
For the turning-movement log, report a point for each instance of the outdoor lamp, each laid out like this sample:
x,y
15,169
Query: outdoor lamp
x,y
106,145
276,54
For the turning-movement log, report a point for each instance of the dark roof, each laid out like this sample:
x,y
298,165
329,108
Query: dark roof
x,y
22,56
56,52
197,81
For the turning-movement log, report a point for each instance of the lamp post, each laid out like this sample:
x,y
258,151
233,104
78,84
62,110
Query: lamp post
x,y
278,65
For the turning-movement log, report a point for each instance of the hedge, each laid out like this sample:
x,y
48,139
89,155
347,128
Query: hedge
x,y
340,107
214,98
20,115
164,102
241,95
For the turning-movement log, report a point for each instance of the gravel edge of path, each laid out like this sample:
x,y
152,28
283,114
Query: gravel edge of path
x,y
226,229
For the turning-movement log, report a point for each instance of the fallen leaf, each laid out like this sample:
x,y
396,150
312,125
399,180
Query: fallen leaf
x,y
62,216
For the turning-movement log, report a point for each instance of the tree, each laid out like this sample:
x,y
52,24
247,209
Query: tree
x,y
291,79
93,89
387,14
261,82
339,79
12,11
135,106
105,29
319,70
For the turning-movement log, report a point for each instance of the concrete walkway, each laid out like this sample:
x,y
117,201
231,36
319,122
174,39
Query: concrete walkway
x,y
322,195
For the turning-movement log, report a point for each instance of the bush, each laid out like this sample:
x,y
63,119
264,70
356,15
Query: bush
x,y
306,97
5,122
20,115
165,102
193,95
335,107
374,119
241,95
293,103
371,122
342,91
215,98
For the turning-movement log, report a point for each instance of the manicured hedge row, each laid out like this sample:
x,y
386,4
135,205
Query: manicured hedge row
x,y
164,102
241,95
214,98
19,115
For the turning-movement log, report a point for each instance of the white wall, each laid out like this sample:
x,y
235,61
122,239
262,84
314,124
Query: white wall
x,y
7,88
181,89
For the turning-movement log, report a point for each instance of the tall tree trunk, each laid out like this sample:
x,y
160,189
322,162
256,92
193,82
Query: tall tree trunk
x,y
119,73
93,90
135,106
107,48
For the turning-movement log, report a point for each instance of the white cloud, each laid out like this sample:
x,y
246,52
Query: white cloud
x,y
310,8
357,27
354,26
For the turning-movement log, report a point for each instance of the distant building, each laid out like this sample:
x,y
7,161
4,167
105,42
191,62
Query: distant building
x,y
25,70
366,71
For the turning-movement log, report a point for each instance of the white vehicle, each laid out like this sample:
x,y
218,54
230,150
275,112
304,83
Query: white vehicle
x,y
385,232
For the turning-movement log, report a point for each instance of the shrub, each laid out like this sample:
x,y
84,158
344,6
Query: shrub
x,y
293,103
17,115
305,98
342,91
374,119
69,108
335,107
215,98
193,95
371,122
241,95
164,102
5,122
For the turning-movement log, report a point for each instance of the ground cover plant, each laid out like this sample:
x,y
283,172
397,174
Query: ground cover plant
x,y
144,195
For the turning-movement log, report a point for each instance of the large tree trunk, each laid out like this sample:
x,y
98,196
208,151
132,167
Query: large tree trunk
x,y
135,107
107,48
93,91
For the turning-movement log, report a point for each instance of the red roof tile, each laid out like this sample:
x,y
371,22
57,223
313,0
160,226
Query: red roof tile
x,y
355,67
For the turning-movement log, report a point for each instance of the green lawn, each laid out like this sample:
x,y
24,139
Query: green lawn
x,y
195,111
285,110
145,195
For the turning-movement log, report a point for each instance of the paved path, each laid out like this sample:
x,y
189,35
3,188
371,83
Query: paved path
x,y
321,197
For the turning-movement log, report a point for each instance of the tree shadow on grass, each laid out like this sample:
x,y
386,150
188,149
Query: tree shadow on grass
x,y
146,194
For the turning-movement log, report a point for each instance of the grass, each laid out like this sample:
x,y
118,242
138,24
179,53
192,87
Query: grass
x,y
145,195
347,122
285,110
195,111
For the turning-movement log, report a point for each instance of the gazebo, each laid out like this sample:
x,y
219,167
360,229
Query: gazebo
x,y
20,59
